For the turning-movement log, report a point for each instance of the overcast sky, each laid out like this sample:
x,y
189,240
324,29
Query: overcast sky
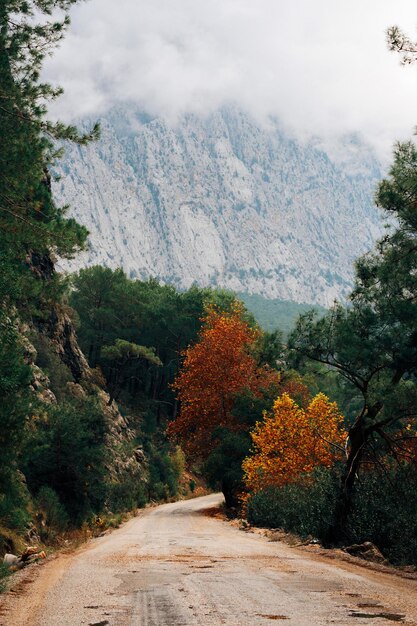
x,y
321,66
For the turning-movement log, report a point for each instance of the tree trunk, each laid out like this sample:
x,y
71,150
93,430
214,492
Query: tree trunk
x,y
358,438
230,496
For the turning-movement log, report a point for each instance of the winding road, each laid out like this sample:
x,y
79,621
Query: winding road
x,y
174,565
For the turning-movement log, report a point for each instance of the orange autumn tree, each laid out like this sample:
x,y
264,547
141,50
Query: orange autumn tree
x,y
293,441
216,368
292,383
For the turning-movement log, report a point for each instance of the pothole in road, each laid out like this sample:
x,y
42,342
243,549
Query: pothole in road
x,y
272,617
392,617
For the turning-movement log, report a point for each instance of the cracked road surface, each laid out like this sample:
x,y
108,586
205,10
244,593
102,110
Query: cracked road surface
x,y
173,565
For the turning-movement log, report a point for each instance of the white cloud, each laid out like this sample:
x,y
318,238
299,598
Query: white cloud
x,y
322,67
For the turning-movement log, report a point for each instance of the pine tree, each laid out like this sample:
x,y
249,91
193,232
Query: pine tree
x,y
399,42
373,342
30,223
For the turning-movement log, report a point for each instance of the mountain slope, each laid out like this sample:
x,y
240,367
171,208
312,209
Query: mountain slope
x,y
275,314
222,201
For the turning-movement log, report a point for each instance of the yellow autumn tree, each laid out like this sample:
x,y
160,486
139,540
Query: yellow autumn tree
x,y
292,442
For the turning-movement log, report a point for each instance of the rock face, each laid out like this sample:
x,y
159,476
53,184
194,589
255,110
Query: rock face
x,y
123,463
60,330
223,201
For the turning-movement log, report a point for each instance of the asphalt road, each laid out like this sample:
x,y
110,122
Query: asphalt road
x,y
174,565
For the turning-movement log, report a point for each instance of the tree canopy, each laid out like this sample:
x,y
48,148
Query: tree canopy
x,y
30,223
32,227
372,342
216,368
291,442
399,42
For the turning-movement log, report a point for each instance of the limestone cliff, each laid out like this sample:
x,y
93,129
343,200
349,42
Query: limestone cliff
x,y
224,201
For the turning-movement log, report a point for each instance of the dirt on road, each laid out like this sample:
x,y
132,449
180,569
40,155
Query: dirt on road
x,y
174,566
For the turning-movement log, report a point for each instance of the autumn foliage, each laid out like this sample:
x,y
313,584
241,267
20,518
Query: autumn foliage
x,y
216,368
293,385
292,442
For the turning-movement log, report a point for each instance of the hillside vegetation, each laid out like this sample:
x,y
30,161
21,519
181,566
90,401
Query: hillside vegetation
x,y
273,314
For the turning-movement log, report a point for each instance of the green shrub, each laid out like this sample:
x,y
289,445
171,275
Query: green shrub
x,y
178,462
54,512
306,508
223,467
163,475
14,500
15,404
158,491
66,452
384,510
126,495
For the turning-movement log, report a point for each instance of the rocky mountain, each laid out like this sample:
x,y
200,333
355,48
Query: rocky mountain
x,y
223,200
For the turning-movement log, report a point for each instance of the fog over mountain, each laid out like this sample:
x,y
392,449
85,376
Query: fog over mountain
x,y
223,200
322,67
